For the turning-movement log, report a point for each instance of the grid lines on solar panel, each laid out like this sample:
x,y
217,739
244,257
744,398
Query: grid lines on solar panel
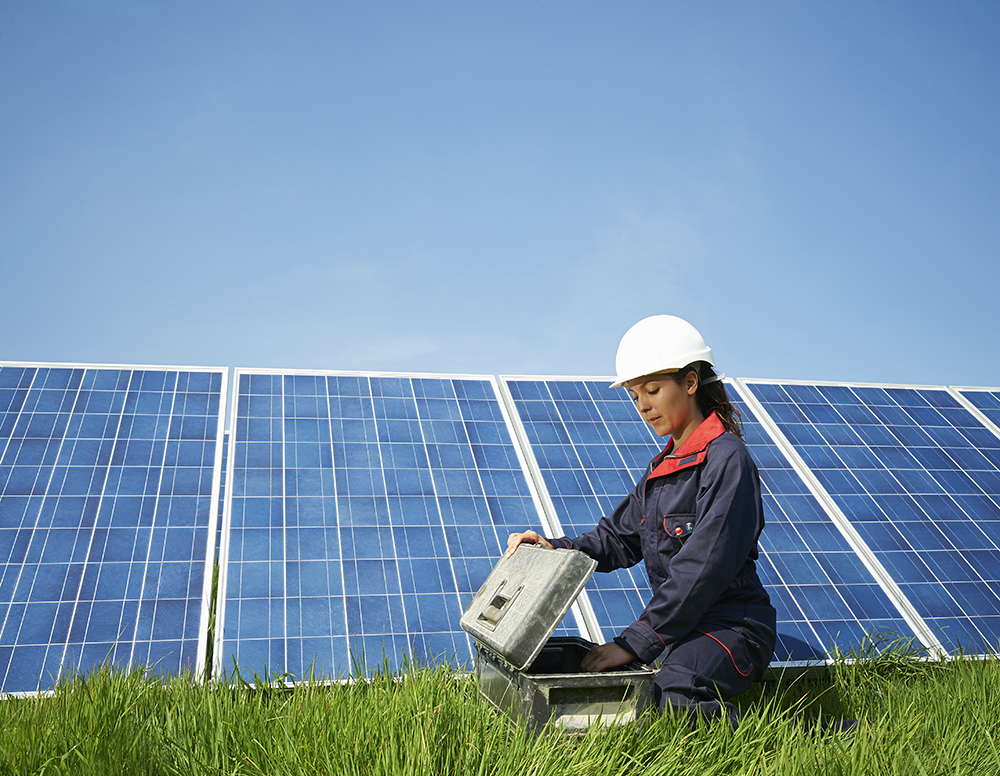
x,y
106,481
823,593
365,513
917,476
591,448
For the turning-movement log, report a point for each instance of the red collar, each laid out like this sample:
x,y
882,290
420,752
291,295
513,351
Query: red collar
x,y
693,451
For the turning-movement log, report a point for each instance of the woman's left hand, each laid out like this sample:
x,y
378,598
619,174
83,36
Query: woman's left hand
x,y
606,657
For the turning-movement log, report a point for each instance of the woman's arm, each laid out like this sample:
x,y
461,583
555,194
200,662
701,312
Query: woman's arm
x,y
613,542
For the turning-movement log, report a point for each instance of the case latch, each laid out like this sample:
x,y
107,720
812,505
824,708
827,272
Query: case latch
x,y
499,605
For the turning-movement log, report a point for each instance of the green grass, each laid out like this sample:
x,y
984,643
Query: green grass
x,y
916,717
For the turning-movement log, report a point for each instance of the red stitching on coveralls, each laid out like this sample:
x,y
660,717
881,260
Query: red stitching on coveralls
x,y
727,650
657,634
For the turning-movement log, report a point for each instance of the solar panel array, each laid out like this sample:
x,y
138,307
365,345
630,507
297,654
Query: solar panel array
x,y
108,486
365,512
361,512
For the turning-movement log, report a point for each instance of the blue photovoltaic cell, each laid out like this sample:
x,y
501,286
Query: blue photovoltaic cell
x,y
823,593
592,446
918,476
106,482
364,513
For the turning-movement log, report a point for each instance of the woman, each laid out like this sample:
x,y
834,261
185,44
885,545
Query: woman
x,y
694,518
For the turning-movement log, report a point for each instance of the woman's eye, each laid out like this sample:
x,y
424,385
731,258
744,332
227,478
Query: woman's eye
x,y
653,391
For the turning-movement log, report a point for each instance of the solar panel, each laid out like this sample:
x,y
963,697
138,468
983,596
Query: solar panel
x,y
590,447
916,476
108,484
824,593
363,512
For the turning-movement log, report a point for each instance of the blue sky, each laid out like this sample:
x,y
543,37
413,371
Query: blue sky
x,y
502,188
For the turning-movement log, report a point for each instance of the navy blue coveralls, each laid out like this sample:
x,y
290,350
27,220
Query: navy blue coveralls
x,y
694,518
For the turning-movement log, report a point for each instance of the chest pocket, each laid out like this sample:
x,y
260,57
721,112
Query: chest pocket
x,y
678,527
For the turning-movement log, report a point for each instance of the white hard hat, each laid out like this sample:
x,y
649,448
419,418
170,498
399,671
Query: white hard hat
x,y
659,343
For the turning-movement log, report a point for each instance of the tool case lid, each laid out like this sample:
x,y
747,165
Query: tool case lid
x,y
523,600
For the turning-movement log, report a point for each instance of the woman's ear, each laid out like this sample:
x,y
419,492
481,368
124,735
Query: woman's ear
x,y
691,382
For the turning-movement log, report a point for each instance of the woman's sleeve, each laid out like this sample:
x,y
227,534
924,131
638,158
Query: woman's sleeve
x,y
727,524
614,542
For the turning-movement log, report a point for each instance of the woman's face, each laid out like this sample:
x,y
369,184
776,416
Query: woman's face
x,y
670,408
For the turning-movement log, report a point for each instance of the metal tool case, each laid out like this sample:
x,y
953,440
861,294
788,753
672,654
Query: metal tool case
x,y
526,673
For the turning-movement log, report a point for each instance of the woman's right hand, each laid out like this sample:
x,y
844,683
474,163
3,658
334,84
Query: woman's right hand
x,y
528,537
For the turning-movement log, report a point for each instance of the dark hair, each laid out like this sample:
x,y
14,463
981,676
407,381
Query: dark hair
x,y
712,397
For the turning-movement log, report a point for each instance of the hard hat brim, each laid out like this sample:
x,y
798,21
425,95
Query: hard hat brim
x,y
620,383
